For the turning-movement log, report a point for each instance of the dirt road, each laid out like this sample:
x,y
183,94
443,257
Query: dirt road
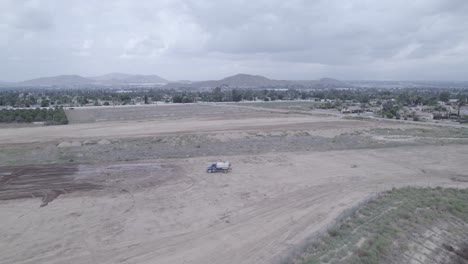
x,y
171,211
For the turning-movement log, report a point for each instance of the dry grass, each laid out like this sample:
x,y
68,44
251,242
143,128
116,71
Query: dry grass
x,y
432,132
380,231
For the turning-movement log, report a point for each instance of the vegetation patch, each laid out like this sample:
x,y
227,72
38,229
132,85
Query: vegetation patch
x,y
50,116
424,132
397,227
360,118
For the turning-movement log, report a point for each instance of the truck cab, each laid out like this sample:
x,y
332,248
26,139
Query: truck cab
x,y
212,168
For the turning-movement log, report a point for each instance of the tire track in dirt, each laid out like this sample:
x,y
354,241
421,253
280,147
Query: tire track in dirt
x,y
44,181
294,197
243,225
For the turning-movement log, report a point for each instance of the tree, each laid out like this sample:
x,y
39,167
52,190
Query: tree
x,y
387,106
187,99
217,95
177,98
444,96
19,119
364,99
431,101
236,95
146,99
125,98
418,100
460,104
440,108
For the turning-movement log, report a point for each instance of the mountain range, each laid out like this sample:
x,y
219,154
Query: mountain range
x,y
121,79
257,81
239,81
107,79
61,80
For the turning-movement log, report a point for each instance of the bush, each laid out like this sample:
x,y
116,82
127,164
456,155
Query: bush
x,y
55,116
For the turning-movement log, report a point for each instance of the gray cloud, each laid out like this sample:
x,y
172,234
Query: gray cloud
x,y
34,20
206,39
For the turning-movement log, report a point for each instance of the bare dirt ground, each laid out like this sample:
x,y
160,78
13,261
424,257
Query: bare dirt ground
x,y
169,210
194,119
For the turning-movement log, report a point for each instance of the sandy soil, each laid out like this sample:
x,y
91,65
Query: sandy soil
x,y
153,128
172,211
150,121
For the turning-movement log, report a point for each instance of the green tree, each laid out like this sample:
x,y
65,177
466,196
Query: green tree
x,y
364,99
177,98
217,95
236,95
444,96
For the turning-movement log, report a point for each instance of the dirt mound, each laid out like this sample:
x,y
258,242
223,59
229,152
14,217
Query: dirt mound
x,y
89,142
67,144
103,142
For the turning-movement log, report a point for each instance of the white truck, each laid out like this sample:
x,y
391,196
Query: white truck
x,y
224,166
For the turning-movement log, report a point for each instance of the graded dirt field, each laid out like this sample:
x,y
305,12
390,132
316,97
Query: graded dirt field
x,y
188,119
137,191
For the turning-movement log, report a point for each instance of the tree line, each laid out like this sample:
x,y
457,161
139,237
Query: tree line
x,y
51,116
78,97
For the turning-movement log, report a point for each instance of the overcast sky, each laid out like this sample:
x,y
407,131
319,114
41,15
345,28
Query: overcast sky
x,y
212,39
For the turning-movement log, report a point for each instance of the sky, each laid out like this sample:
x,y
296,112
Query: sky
x,y
212,39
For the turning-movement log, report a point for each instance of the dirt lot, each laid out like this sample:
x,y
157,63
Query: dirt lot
x,y
109,199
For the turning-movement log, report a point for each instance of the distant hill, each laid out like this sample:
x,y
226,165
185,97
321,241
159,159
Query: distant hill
x,y
61,80
409,84
330,81
108,79
122,78
246,80
323,83
111,76
184,81
4,84
257,81
240,80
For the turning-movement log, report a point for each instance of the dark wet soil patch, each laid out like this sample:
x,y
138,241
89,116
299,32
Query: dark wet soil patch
x,y
41,181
